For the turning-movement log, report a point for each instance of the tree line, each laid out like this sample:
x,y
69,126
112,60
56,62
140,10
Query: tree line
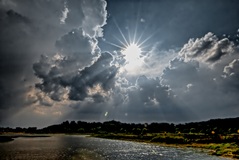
x,y
213,126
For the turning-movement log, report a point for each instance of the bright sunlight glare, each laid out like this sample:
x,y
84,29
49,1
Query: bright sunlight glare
x,y
132,52
131,48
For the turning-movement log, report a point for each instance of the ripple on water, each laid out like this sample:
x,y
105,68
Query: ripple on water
x,y
84,148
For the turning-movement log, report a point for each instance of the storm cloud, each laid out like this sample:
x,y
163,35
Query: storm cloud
x,y
43,30
200,79
64,60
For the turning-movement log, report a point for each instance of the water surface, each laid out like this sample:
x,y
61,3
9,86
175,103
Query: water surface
x,y
88,148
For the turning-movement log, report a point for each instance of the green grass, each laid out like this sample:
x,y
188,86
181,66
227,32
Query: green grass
x,y
196,140
224,149
169,139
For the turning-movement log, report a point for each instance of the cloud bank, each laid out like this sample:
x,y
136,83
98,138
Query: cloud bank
x,y
53,68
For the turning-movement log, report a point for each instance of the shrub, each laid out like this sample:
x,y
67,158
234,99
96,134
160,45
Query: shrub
x,y
169,139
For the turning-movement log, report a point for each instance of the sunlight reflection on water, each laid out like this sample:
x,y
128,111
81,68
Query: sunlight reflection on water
x,y
85,148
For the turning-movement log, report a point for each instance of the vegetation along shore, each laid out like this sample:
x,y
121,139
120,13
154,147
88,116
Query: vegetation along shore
x,y
219,136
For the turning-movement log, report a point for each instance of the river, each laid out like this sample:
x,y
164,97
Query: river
x,y
71,147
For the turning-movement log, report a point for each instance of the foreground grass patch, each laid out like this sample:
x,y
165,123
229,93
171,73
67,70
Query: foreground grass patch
x,y
224,149
219,149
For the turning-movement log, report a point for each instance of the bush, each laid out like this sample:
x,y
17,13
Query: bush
x,y
236,152
169,139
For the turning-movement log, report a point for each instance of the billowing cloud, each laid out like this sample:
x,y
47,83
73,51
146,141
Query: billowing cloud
x,y
208,48
204,77
54,66
231,75
154,100
100,73
33,28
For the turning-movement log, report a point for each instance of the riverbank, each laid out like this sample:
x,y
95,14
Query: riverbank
x,y
225,149
11,136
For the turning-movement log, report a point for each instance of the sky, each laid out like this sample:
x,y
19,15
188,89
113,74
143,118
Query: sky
x,y
137,61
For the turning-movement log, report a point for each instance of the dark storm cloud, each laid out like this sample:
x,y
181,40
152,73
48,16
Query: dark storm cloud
x,y
78,65
148,100
31,28
23,38
10,43
59,40
205,79
178,68
74,42
101,72
76,50
68,69
13,62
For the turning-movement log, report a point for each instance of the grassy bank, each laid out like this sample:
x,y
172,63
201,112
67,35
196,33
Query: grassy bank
x,y
215,146
11,136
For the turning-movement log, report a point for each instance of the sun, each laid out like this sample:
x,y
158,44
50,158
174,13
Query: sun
x,y
132,56
132,47
131,52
